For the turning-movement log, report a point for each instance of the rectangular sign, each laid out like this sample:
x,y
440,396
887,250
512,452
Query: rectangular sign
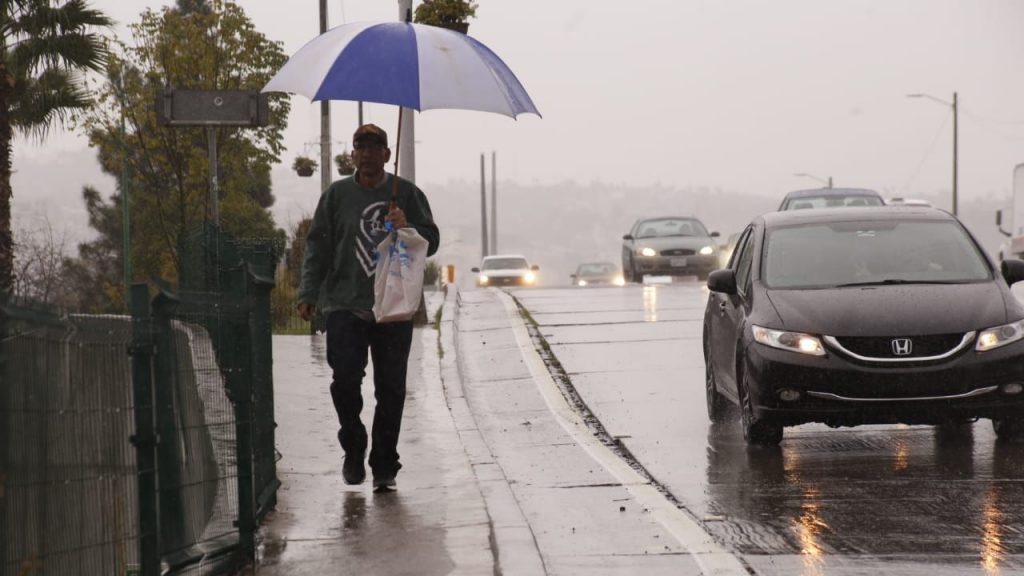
x,y
247,108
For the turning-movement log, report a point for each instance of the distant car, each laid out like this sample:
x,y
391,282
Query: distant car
x,y
725,250
506,270
907,202
830,198
597,274
864,316
668,246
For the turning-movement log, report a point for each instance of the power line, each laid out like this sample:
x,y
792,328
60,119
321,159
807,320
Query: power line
x,y
928,154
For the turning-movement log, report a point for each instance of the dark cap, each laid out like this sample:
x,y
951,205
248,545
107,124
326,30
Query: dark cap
x,y
370,132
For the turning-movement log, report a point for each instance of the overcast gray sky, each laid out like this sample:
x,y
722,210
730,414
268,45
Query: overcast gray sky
x,y
737,94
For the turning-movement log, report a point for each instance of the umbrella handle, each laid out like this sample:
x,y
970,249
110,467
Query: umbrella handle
x,y
398,148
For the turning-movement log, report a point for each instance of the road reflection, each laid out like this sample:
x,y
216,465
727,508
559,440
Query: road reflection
x,y
650,298
930,497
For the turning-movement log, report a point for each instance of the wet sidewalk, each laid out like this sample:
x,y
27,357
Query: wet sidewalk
x,y
435,523
494,480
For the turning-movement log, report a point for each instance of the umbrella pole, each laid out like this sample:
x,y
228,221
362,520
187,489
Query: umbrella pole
x,y
398,147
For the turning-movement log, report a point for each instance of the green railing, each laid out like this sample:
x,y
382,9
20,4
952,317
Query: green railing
x,y
141,444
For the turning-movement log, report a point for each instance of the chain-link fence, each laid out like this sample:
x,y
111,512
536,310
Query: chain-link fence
x,y
68,489
142,444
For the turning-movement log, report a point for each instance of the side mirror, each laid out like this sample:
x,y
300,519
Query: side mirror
x,y
999,224
627,237
1012,270
724,281
572,277
534,267
715,234
475,269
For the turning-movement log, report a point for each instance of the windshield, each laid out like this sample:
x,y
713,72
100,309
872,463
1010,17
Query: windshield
x,y
865,253
596,269
670,227
505,264
831,202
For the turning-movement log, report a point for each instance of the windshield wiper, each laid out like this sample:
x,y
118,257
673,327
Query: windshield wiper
x,y
897,281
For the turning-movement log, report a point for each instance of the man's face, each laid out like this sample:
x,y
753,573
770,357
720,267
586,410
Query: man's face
x,y
370,156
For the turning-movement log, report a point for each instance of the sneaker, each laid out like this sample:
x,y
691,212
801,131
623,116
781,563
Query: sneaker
x,y
353,470
384,483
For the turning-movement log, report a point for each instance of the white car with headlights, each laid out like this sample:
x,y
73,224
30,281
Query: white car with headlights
x,y
506,270
669,246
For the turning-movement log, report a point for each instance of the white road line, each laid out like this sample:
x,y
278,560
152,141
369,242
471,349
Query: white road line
x,y
712,558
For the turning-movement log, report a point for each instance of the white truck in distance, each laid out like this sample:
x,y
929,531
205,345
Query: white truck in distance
x,y
1014,245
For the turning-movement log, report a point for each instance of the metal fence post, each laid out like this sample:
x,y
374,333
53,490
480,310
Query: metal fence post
x,y
144,439
5,435
173,536
262,362
240,384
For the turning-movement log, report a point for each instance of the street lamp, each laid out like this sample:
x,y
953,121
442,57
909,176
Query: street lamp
x,y
952,105
828,182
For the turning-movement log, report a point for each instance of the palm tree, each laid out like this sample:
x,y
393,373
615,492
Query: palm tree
x,y
45,47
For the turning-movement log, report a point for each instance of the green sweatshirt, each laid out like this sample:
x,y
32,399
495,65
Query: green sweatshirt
x,y
341,245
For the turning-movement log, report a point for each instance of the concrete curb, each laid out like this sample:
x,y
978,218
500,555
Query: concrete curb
x,y
512,540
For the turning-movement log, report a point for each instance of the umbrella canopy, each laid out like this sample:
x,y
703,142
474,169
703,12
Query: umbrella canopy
x,y
410,65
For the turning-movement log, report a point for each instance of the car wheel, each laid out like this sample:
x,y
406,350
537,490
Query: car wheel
x,y
716,403
1009,429
756,431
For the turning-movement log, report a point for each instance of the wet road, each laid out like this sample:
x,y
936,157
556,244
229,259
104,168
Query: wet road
x,y
869,500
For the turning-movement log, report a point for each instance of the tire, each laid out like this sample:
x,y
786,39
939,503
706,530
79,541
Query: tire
x,y
756,431
716,403
1009,430
627,271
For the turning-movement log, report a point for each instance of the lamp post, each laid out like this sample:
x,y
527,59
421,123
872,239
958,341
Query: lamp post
x,y
827,183
952,105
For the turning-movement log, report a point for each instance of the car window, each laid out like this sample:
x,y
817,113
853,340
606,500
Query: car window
x,y
871,252
670,227
595,269
743,264
805,202
505,264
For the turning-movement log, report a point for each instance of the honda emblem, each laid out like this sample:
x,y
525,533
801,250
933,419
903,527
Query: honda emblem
x,y
902,347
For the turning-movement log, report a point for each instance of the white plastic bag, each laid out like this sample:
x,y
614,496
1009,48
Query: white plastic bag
x,y
398,283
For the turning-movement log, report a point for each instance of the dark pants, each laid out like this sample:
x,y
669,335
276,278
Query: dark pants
x,y
348,338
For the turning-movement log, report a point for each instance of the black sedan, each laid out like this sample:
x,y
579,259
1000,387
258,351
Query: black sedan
x,y
668,246
863,315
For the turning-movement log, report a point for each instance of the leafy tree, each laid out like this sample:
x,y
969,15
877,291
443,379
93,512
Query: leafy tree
x,y
45,46
445,13
197,45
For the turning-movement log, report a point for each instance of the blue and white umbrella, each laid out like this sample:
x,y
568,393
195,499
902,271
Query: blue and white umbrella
x,y
410,65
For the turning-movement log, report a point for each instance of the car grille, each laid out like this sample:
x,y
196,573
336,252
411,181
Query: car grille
x,y
882,348
504,281
678,252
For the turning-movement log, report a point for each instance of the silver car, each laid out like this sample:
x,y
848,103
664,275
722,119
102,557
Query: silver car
x,y
669,246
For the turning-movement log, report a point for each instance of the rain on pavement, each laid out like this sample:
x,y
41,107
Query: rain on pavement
x,y
893,499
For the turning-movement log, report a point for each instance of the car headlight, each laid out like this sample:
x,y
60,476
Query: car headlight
x,y
530,277
999,336
707,251
648,252
581,283
619,281
484,279
792,341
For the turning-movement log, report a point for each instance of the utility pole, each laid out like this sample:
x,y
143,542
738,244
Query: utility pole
x,y
325,119
956,134
483,209
494,202
407,147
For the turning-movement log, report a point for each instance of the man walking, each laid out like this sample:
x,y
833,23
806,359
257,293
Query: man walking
x,y
337,276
